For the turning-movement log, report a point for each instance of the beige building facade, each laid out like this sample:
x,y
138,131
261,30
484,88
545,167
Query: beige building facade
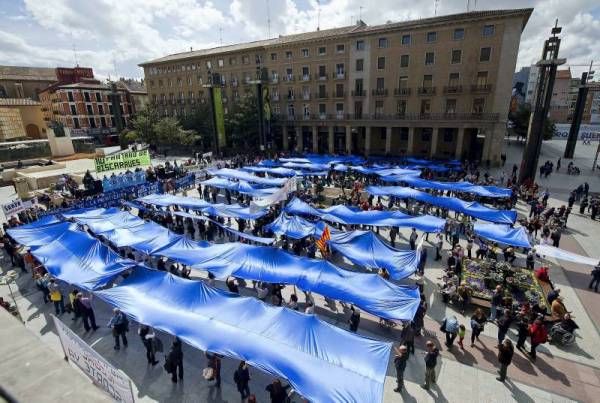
x,y
21,119
437,87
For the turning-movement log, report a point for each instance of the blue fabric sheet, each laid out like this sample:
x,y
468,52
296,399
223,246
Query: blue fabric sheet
x,y
192,203
78,258
240,186
318,359
344,215
503,234
34,236
292,226
463,187
248,177
369,292
271,171
472,209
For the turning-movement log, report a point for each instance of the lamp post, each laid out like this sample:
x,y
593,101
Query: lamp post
x,y
8,279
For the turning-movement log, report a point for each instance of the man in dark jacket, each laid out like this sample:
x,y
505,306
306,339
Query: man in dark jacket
x,y
505,354
595,278
431,356
503,325
175,361
354,319
400,363
241,377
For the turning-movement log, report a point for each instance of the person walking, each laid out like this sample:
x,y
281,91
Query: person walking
x,y
478,321
413,239
408,337
119,325
505,355
504,323
450,328
400,364
84,307
277,392
539,335
241,377
462,331
354,319
431,356
522,331
595,278
147,335
174,361
214,362
56,297
439,243
496,302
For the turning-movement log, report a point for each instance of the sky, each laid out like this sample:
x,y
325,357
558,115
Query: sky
x,y
113,36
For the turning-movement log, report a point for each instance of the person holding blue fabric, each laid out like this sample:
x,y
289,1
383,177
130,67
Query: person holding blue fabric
x,y
119,325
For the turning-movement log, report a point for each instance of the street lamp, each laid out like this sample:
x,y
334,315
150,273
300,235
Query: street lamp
x,y
8,279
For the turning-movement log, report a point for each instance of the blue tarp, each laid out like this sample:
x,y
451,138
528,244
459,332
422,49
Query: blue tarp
x,y
292,226
322,362
344,215
307,166
463,187
503,234
473,209
248,177
102,220
369,292
33,236
271,171
192,203
241,186
78,258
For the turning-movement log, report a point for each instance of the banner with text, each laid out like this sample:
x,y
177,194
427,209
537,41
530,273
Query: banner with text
x,y
102,373
586,132
125,160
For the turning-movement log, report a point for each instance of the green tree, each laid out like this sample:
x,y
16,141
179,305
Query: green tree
x,y
520,119
201,121
143,126
241,124
549,129
169,131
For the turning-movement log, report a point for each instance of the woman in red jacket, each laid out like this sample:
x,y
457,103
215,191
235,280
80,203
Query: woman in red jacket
x,y
538,334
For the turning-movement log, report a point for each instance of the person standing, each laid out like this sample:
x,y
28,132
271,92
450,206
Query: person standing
x,y
450,328
147,335
505,354
462,331
496,302
408,337
175,360
241,377
354,319
539,335
431,356
595,278
214,362
400,364
478,321
439,243
56,297
503,325
277,392
119,325
84,307
413,239
522,331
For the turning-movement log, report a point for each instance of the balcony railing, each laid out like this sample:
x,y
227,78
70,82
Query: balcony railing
x,y
323,77
481,88
453,89
288,77
339,94
380,92
274,80
340,75
322,95
304,77
404,91
306,96
426,90
358,93
274,97
290,98
489,117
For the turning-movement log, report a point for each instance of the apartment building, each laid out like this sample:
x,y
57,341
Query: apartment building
x,y
435,87
25,82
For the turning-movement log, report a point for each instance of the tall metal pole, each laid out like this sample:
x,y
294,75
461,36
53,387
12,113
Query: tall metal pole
x,y
548,66
578,114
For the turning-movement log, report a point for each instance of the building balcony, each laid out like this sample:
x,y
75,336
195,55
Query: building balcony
x,y
322,95
275,98
402,92
440,117
324,116
358,93
339,94
379,92
453,89
288,77
234,83
340,115
306,96
426,90
322,78
340,75
481,88
306,116
290,97
274,80
304,77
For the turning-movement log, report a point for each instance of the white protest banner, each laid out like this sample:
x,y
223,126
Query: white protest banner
x,y
13,207
289,186
100,371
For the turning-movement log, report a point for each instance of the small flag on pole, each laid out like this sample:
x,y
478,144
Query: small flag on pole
x,y
322,242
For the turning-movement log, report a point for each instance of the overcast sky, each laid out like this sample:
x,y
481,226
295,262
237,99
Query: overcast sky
x,y
113,36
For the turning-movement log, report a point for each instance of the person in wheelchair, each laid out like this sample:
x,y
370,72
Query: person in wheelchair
x,y
564,330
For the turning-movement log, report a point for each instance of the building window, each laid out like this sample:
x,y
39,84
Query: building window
x,y
73,110
359,64
382,42
306,110
339,90
401,107
86,96
339,70
100,110
322,109
70,97
448,136
404,60
305,73
208,64
358,86
427,81
322,71
288,54
379,107
98,97
340,48
451,106
322,91
103,121
459,34
403,82
304,52
431,37
76,123
90,110
360,45
478,105
358,107
273,56
488,30
485,54
380,84
482,77
426,135
322,51
406,39
381,63
92,123
220,62
429,58
245,59
456,56
453,79
233,60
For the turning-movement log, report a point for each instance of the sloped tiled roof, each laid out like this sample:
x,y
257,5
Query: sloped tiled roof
x,y
27,73
525,13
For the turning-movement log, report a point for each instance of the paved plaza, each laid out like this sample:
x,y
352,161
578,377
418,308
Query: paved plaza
x,y
560,373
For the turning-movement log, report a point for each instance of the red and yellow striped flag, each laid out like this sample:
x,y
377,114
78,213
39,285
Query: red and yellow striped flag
x,y
322,242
